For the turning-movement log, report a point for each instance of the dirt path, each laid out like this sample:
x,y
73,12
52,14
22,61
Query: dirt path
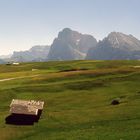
x,y
9,79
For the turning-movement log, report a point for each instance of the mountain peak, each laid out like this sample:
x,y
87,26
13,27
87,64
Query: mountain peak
x,y
116,34
118,39
71,45
67,34
114,38
66,30
116,46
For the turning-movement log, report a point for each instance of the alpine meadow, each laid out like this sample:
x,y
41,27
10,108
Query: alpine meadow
x,y
78,97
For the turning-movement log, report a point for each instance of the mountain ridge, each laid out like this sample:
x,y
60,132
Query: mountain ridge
x,y
36,53
116,46
72,45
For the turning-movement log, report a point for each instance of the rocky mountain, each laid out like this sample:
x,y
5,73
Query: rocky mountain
x,y
71,45
36,53
116,46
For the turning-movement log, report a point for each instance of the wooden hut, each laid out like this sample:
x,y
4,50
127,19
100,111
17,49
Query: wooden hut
x,y
26,107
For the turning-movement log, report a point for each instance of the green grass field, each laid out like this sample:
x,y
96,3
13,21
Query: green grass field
x,y
77,97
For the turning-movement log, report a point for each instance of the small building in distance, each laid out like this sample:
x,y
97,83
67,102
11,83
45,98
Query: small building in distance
x,y
15,63
26,107
12,63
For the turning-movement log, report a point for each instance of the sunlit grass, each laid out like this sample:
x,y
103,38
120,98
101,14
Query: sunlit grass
x,y
77,97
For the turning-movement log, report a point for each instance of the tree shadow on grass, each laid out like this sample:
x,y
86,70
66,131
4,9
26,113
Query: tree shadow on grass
x,y
21,119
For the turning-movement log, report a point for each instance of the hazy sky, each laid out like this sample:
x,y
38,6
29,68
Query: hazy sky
x,y
25,23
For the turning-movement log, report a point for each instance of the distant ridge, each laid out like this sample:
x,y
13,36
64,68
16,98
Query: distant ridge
x,y
72,45
116,46
36,53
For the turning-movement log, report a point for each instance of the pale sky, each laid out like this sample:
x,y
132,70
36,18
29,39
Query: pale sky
x,y
25,23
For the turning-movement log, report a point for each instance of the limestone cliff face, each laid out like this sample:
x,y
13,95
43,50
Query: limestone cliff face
x,y
36,53
116,46
71,45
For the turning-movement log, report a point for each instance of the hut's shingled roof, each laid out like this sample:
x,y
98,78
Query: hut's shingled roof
x,y
28,107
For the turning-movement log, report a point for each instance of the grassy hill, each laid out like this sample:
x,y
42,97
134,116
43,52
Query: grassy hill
x,y
77,97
